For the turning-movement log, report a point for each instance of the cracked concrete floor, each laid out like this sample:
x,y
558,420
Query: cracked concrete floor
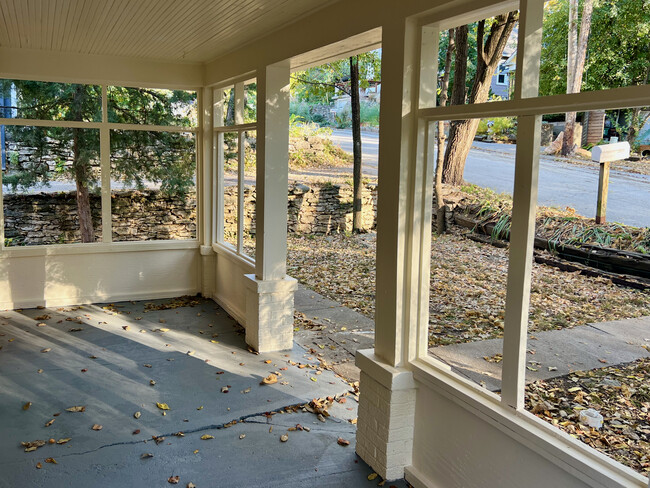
x,y
104,358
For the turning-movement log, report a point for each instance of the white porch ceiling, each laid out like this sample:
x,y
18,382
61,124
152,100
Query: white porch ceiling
x,y
170,30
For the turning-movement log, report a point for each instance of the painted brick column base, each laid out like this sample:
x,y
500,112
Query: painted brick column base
x,y
386,416
269,313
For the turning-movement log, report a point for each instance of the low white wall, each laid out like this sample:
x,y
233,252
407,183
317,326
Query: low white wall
x,y
455,446
74,274
230,285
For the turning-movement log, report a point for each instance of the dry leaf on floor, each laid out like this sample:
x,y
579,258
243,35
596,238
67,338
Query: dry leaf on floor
x,y
137,415
80,408
269,380
284,437
205,437
342,442
97,427
47,349
27,405
162,406
32,445
64,441
51,461
39,465
50,423
173,480
146,455
372,476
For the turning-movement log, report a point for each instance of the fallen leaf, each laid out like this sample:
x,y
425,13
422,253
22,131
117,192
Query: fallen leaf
x,y
269,380
152,382
126,327
97,427
78,329
137,415
268,361
51,461
27,405
225,389
196,451
64,441
247,390
173,480
205,437
32,445
147,365
39,465
284,437
50,423
136,432
372,476
47,349
191,485
342,442
241,436
162,406
39,371
81,408
146,455
200,408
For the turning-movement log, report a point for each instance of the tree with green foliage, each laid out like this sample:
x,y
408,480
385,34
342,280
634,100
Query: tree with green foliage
x,y
138,158
321,83
618,50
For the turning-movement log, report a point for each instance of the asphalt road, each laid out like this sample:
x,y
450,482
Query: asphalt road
x,y
560,184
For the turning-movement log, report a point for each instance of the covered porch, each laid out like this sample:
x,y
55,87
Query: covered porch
x,y
416,418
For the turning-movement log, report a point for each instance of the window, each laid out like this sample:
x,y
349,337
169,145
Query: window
x,y
235,116
508,358
65,147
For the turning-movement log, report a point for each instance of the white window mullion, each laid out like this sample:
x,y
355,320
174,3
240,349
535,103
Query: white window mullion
x,y
522,234
218,167
105,170
241,156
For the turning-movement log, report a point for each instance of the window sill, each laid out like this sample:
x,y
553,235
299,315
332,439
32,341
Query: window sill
x,y
96,248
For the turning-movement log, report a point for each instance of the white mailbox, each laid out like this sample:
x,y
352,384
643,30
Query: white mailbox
x,y
610,152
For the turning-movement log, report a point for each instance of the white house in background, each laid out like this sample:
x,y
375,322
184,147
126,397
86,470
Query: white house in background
x,y
503,79
371,94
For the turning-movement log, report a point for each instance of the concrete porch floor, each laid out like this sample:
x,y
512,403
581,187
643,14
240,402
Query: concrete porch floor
x,y
104,358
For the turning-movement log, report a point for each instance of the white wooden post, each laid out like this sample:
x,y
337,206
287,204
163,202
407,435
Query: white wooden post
x,y
105,170
387,403
522,233
218,162
207,185
269,296
239,119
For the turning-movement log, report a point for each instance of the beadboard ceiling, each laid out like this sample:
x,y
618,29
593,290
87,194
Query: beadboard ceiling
x,y
171,30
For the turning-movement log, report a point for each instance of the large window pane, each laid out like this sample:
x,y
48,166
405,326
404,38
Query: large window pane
x,y
616,53
50,101
152,106
153,185
50,187
231,190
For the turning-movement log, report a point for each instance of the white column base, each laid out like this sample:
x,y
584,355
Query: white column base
x,y
386,416
269,313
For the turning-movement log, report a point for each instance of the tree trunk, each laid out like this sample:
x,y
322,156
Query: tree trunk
x,y
576,56
81,171
462,132
357,206
444,88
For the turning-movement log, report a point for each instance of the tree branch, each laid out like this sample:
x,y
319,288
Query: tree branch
x,y
321,83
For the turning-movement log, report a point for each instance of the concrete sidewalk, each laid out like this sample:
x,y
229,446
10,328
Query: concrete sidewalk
x,y
550,354
554,353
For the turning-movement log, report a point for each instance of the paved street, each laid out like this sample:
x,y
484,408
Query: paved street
x,y
560,184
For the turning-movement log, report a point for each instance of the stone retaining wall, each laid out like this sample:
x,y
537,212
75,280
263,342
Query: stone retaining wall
x,y
51,218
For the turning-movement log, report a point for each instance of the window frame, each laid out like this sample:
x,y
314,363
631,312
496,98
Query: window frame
x,y
219,129
507,412
105,127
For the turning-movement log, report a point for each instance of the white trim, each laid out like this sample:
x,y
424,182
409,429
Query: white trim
x,y
230,252
236,127
626,97
595,468
72,124
96,248
105,171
